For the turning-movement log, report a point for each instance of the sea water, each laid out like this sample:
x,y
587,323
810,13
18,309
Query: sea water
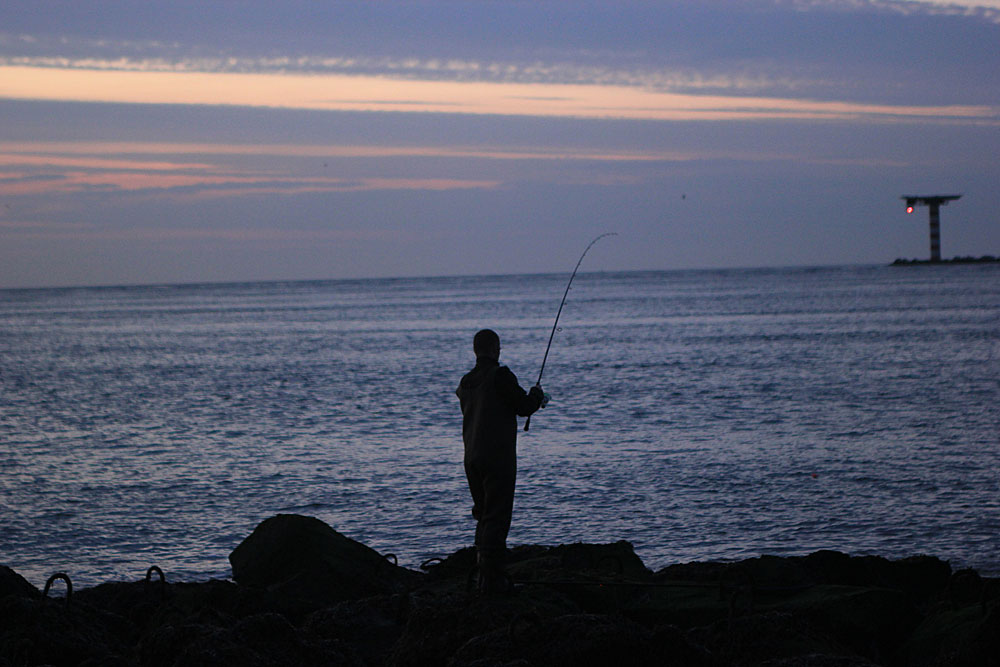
x,y
698,414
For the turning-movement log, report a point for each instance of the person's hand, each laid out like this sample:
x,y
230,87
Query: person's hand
x,y
539,395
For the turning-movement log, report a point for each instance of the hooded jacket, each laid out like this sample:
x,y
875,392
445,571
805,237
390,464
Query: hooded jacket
x,y
491,400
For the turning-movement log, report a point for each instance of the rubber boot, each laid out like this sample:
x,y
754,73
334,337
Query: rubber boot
x,y
493,578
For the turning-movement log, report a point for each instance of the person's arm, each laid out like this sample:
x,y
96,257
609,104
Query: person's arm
x,y
522,402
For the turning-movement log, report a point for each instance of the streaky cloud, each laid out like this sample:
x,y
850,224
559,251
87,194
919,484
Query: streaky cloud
x,y
63,152
60,231
381,94
988,10
655,77
220,185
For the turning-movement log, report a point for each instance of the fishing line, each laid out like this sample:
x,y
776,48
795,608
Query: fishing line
x,y
555,324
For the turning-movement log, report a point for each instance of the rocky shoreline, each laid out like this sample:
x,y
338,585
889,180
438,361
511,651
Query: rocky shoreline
x,y
303,594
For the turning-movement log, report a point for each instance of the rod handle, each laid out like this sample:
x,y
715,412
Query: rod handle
x,y
527,422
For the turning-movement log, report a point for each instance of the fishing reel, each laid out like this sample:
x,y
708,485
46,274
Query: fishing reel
x,y
545,397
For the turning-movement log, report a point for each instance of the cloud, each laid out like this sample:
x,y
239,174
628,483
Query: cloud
x,y
19,158
833,50
66,168
380,94
68,152
212,185
646,76
988,10
59,231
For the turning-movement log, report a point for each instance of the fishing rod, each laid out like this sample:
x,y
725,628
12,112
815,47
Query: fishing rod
x,y
555,324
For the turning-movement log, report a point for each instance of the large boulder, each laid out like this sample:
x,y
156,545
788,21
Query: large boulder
x,y
921,578
11,583
303,557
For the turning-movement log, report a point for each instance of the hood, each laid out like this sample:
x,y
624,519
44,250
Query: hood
x,y
478,375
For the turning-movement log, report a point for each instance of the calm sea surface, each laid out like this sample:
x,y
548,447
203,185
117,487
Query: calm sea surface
x,y
699,415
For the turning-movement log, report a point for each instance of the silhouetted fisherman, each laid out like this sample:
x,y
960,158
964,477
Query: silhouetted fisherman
x,y
491,401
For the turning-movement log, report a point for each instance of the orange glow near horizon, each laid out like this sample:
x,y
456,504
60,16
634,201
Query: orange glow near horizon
x,y
89,166
202,171
25,158
50,231
42,149
93,154
371,93
210,185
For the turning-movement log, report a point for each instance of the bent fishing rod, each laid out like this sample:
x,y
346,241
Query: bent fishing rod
x,y
562,303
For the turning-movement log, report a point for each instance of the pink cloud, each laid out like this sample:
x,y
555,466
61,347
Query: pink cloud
x,y
338,92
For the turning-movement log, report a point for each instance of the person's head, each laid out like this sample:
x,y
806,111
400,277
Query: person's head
x,y
486,343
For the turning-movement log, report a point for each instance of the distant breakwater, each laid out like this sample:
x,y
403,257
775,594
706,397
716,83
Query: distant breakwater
x,y
303,594
985,259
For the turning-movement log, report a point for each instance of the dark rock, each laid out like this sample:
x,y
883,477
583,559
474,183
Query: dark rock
x,y
770,573
617,559
967,635
819,660
594,577
136,604
303,557
309,596
965,588
186,644
437,626
219,603
372,625
267,640
11,583
213,622
769,636
920,577
677,647
534,562
458,565
51,632
579,639
273,638
872,622
762,572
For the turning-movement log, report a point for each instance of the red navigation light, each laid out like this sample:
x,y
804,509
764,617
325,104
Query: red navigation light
x,y
909,209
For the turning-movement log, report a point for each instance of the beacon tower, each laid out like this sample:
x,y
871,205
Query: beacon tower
x,y
932,202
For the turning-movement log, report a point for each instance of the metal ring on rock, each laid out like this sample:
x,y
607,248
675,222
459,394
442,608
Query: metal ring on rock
x,y
151,570
431,561
163,580
52,580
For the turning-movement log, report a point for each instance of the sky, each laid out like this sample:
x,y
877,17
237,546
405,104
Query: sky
x,y
150,142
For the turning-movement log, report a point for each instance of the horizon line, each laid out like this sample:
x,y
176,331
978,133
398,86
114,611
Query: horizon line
x,y
262,281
